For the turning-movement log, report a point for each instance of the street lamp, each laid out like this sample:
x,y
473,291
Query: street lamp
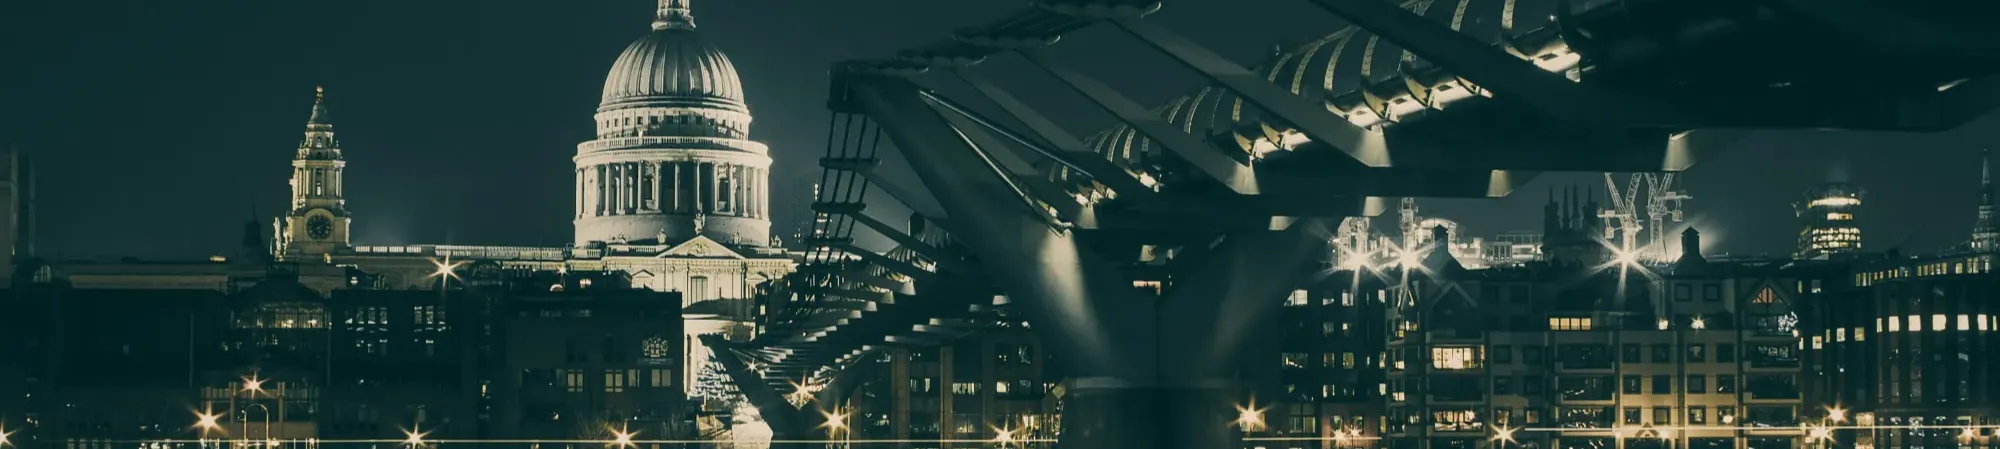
x,y
207,422
621,437
1249,418
1003,436
253,385
246,421
1820,433
836,423
413,438
1502,436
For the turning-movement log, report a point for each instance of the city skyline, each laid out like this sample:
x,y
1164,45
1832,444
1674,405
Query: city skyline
x,y
209,108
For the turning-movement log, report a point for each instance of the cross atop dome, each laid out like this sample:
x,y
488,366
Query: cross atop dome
x,y
678,14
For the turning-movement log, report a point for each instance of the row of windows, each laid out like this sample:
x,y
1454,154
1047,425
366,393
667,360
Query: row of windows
x,y
614,380
1938,322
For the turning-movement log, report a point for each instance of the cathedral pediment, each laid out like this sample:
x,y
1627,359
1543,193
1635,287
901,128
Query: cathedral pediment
x,y
701,247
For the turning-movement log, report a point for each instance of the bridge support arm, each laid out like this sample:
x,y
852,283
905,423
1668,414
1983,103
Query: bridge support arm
x,y
1312,118
786,422
1210,160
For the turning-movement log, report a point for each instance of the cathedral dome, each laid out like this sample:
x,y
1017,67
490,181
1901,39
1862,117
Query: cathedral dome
x,y
673,67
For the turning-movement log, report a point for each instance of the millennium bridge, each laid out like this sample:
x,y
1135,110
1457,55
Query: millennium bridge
x,y
1229,192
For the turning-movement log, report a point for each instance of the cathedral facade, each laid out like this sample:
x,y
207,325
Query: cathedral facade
x,y
671,193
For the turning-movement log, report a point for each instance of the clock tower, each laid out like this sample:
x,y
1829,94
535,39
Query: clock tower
x,y
317,221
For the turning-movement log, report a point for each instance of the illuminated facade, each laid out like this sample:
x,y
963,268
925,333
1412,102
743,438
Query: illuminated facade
x,y
1704,357
316,220
972,388
275,360
671,193
1829,229
672,159
1330,352
1908,348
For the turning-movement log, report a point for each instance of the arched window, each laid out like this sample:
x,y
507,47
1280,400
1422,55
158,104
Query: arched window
x,y
725,195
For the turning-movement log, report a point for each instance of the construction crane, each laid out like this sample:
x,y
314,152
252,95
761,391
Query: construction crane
x,y
1621,220
1663,203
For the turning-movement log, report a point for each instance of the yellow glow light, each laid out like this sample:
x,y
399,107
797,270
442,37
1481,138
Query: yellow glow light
x,y
622,438
1818,432
253,384
413,438
1836,414
206,420
1249,417
1003,436
834,420
446,268
3,437
1503,434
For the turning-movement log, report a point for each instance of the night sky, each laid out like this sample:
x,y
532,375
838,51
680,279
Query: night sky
x,y
159,125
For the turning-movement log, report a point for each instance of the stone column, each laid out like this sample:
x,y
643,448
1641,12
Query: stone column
x,y
597,189
659,202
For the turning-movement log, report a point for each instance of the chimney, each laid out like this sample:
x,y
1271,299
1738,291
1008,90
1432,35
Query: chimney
x,y
1691,261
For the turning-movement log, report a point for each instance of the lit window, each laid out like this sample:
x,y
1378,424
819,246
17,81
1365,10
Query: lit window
x,y
1569,324
1765,297
1817,342
1916,325
1840,334
1860,334
1895,325
1455,358
1298,298
1878,324
1939,323
1982,322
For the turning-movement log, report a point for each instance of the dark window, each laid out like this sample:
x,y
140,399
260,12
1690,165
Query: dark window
x,y
1531,354
1503,354
1697,352
1725,383
1632,415
1725,353
1585,356
1711,293
1584,388
1663,384
1697,384
1663,353
1682,293
1663,415
1503,385
1531,385
1632,384
1629,353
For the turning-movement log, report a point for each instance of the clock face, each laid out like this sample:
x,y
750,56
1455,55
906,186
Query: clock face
x,y
319,227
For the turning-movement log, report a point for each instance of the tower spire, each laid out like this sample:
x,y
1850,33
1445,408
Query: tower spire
x,y
674,14
1985,237
321,120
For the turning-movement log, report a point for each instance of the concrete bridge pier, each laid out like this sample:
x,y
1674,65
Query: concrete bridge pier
x,y
1150,370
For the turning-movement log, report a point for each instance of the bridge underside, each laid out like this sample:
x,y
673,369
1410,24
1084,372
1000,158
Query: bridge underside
x,y
1149,257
